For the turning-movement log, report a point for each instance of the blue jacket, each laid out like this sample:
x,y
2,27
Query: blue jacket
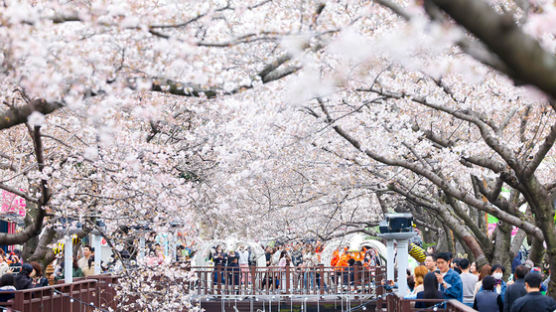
x,y
455,286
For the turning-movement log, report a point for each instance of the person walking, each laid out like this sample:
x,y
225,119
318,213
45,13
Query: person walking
x,y
449,281
498,274
468,281
488,300
517,289
534,301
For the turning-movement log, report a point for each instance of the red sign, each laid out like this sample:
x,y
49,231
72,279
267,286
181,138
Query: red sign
x,y
11,203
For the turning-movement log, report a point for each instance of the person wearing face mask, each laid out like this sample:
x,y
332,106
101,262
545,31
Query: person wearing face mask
x,y
497,272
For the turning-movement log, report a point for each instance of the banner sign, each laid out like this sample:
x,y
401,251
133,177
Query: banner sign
x,y
12,204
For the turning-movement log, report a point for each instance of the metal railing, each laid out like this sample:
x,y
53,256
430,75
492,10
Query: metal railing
x,y
395,303
318,280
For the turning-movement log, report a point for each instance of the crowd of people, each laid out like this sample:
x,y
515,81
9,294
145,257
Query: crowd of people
x,y
234,264
16,274
158,249
302,258
485,289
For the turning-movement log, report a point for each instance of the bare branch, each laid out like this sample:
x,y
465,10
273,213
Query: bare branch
x,y
461,195
395,8
35,227
18,193
525,57
18,115
541,153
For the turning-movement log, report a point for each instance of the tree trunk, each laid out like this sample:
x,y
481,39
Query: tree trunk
x,y
449,240
503,246
537,251
542,205
517,242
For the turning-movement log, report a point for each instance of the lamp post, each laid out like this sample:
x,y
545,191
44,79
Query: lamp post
x,y
70,227
174,225
97,239
141,229
68,259
397,227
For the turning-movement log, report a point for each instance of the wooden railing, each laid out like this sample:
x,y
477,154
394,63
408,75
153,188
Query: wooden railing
x,y
395,303
82,295
318,280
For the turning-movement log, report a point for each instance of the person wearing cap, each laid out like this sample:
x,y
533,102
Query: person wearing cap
x,y
534,301
24,279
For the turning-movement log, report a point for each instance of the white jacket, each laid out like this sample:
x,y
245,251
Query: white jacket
x,y
243,257
4,268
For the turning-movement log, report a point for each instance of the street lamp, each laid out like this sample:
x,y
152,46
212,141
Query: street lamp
x,y
141,229
70,227
97,239
175,226
397,227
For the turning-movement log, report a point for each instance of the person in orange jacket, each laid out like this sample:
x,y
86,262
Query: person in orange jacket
x,y
335,258
358,256
344,259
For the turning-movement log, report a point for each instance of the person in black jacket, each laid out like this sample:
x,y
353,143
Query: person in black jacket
x,y
233,268
534,301
517,289
219,258
24,279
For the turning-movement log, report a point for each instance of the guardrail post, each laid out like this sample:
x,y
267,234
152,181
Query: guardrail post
x,y
287,278
18,301
252,269
321,279
218,281
405,305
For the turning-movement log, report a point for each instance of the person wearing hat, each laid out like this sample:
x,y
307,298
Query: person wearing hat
x,y
24,279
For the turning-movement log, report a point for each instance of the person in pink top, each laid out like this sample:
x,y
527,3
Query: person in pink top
x,y
243,254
